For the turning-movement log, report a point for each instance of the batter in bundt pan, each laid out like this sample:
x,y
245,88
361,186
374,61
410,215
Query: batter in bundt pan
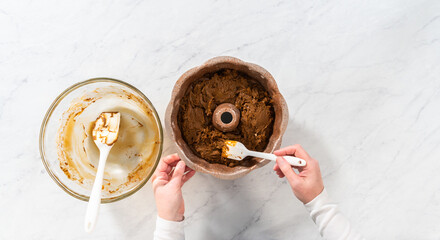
x,y
225,86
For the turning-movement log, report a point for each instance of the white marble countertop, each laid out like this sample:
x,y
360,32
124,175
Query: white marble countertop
x,y
362,81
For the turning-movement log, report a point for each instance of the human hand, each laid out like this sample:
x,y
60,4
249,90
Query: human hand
x,y
168,179
308,183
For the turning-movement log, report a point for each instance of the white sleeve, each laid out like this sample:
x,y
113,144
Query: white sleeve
x,y
168,230
331,223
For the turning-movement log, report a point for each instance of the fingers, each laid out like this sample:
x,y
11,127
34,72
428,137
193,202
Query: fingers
x,y
188,176
294,150
171,158
275,167
170,168
167,163
287,170
278,171
159,179
187,169
179,170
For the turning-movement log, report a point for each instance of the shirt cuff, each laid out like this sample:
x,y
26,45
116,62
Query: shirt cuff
x,y
319,201
167,228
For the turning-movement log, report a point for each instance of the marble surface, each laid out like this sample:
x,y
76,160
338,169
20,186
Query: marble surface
x,y
361,78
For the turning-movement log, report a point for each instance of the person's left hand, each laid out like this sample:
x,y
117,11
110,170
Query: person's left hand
x,y
168,179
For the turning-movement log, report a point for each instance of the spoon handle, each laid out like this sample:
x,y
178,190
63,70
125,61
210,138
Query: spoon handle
x,y
95,196
294,161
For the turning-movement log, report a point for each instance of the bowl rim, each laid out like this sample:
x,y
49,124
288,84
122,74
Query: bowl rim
x,y
53,106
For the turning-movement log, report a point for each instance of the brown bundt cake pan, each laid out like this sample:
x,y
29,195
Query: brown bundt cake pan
x,y
213,65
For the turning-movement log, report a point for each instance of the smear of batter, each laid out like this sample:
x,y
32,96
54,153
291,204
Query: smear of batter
x,y
225,86
132,156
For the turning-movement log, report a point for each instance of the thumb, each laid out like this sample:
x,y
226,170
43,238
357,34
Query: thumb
x,y
178,172
285,167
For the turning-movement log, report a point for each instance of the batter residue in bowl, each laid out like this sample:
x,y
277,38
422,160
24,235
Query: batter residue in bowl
x,y
131,157
225,86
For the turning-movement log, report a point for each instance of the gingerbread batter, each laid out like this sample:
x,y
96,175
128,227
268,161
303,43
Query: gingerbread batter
x,y
225,86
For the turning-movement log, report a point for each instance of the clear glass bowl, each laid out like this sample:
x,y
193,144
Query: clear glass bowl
x,y
52,122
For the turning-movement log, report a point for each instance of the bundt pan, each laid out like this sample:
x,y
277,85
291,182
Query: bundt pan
x,y
215,64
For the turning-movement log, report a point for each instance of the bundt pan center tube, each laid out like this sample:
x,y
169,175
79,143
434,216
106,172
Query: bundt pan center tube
x,y
225,117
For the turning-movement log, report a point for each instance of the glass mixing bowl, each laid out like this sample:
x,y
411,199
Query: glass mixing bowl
x,y
53,120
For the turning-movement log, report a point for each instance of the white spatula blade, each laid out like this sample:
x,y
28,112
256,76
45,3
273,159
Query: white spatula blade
x,y
234,150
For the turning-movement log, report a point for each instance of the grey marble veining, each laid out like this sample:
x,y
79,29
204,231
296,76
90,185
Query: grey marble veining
x,y
361,78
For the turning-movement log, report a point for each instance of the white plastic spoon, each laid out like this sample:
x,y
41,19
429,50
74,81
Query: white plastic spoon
x,y
105,134
237,151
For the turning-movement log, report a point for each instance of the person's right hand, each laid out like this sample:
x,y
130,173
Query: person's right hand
x,y
308,183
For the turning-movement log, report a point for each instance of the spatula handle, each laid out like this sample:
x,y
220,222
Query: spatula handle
x,y
95,195
294,161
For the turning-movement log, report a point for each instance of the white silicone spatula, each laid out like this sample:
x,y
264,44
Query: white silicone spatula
x,y
237,151
105,134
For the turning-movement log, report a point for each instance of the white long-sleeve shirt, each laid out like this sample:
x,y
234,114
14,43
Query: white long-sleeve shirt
x,y
168,230
331,223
